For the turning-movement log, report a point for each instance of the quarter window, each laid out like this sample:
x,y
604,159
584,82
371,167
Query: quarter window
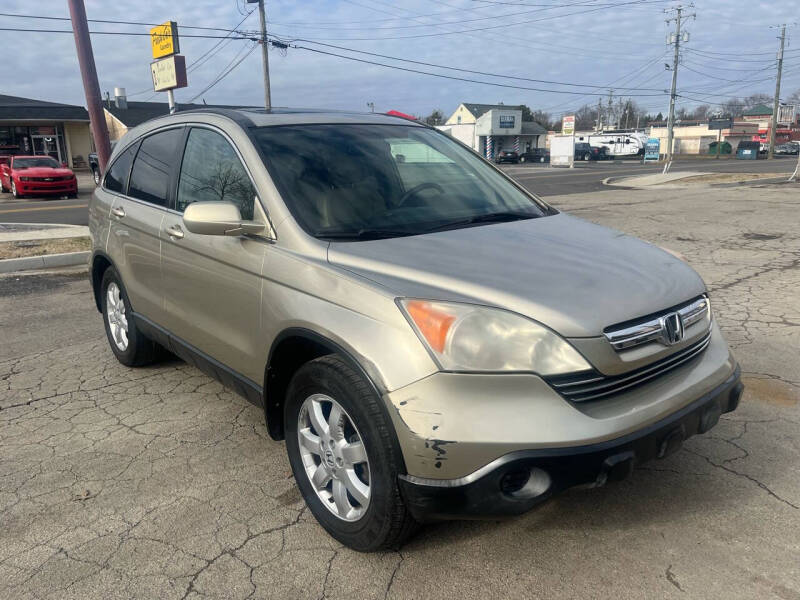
x,y
117,175
153,165
212,172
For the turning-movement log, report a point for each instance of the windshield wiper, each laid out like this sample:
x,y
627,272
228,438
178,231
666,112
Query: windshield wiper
x,y
496,217
365,234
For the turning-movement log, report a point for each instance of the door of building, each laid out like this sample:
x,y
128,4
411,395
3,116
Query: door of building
x,y
46,145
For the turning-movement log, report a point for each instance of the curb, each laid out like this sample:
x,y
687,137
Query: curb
x,y
45,261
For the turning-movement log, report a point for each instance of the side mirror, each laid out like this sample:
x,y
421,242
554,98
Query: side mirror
x,y
218,218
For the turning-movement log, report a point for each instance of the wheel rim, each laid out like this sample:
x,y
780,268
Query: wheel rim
x,y
334,458
117,319
96,177
13,188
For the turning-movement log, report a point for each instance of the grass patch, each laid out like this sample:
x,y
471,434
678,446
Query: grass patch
x,y
21,249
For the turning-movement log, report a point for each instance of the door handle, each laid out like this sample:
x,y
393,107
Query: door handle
x,y
118,211
175,232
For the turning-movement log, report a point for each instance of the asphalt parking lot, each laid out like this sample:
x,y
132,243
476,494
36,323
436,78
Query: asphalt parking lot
x,y
159,483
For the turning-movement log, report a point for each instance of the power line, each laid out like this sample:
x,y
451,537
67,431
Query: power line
x,y
225,72
369,62
491,27
475,72
106,21
136,33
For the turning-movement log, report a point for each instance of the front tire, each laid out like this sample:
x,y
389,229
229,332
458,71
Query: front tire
x,y
128,344
344,456
522,159
96,176
14,191
586,157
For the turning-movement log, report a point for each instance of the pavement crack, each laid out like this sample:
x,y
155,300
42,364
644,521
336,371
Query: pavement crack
x,y
671,578
745,476
394,573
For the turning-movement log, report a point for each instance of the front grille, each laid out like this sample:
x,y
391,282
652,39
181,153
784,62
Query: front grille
x,y
592,385
49,179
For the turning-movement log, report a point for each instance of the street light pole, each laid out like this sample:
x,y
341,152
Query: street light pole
x,y
91,88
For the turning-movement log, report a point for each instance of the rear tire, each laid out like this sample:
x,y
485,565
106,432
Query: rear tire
x,y
128,344
382,521
586,157
96,175
541,159
522,159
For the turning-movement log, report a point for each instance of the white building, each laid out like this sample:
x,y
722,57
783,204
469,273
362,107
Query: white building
x,y
489,128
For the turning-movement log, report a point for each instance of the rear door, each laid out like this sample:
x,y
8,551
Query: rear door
x,y
212,284
137,212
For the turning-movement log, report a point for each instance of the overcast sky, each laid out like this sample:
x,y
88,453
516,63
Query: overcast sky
x,y
602,43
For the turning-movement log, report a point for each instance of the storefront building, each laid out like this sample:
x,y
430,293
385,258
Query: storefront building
x,y
36,127
490,128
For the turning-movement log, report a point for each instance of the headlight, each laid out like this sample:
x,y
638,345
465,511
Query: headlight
x,y
466,337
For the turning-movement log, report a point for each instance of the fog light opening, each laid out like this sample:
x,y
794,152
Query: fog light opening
x,y
525,483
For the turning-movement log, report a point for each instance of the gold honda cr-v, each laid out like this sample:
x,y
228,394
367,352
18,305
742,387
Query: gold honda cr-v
x,y
431,340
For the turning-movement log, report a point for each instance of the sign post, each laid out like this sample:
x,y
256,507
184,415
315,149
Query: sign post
x,y
169,69
568,128
719,125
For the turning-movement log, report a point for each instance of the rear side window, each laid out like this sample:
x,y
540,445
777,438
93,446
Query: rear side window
x,y
153,165
117,175
212,172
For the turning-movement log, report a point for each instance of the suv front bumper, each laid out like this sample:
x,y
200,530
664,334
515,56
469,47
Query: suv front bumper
x,y
516,482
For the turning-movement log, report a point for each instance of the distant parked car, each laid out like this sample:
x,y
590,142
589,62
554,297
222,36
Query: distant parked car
x,y
583,151
506,156
94,164
787,148
540,155
38,175
763,148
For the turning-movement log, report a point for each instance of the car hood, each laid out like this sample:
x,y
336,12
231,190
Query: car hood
x,y
571,275
42,172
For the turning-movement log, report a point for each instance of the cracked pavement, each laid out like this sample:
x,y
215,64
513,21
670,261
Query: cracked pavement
x,y
160,483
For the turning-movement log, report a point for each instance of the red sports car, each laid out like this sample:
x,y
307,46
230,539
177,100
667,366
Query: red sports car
x,y
37,176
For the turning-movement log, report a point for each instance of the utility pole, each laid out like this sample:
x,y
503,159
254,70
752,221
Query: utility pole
x,y
264,52
777,101
672,95
91,87
610,111
599,115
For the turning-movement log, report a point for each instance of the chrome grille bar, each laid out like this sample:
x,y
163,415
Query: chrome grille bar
x,y
654,329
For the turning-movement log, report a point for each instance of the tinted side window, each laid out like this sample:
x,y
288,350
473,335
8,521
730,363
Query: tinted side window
x,y
117,175
151,169
212,172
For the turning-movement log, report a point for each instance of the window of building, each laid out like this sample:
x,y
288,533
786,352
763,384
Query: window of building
x,y
153,165
212,172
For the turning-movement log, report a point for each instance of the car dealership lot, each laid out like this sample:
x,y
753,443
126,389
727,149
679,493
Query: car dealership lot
x,y
158,482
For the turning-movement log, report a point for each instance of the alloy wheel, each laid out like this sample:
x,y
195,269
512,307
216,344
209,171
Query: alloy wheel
x,y
117,319
334,457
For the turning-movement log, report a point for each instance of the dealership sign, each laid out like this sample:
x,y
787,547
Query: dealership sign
x,y
719,124
787,114
568,125
169,73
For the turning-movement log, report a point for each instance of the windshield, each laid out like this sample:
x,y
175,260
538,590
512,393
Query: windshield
x,y
370,181
43,161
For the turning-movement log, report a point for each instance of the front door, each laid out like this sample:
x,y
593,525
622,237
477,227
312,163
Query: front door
x,y
212,284
46,145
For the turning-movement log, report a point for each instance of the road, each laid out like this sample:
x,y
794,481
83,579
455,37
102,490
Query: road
x,y
541,179
159,483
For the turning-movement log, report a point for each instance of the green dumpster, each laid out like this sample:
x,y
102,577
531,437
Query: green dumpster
x,y
747,150
724,148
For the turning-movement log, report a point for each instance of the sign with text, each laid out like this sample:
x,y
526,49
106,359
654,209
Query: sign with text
x,y
169,73
717,124
568,125
506,121
652,149
787,113
164,39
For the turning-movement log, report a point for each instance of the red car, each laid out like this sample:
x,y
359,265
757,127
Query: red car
x,y
37,176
